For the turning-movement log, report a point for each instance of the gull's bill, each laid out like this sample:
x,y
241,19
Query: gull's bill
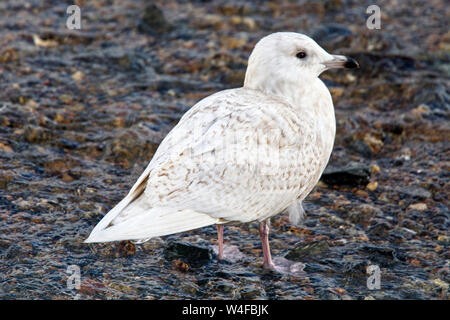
x,y
339,61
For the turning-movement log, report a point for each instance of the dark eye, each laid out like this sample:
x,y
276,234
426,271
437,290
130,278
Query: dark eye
x,y
301,55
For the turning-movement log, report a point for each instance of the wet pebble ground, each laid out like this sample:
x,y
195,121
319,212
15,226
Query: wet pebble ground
x,y
82,112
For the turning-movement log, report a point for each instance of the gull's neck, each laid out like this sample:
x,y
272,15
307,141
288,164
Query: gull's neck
x,y
299,94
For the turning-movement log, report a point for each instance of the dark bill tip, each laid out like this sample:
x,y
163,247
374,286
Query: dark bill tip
x,y
351,64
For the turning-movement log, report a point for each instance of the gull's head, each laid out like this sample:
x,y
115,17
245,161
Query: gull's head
x,y
289,57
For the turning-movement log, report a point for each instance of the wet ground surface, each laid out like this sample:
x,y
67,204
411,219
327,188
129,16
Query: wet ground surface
x,y
81,113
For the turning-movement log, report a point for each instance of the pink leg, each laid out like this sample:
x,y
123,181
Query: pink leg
x,y
220,240
264,235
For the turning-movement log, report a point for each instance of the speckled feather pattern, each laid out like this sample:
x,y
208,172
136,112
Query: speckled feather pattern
x,y
203,173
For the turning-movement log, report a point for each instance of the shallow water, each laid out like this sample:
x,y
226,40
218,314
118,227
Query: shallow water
x,y
82,112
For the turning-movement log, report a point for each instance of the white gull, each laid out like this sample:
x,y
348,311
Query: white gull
x,y
239,155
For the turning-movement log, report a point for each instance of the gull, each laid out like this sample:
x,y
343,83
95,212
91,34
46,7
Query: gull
x,y
239,155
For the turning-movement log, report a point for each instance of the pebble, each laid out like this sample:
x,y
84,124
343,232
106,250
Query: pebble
x,y
375,169
379,230
5,147
353,174
44,43
307,250
78,76
193,254
418,206
372,186
153,21
414,192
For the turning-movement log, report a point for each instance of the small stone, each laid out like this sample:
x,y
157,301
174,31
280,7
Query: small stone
x,y
66,177
341,242
56,166
338,291
372,186
380,230
251,292
31,103
180,265
418,206
44,43
5,147
411,225
225,286
421,109
193,254
153,21
87,290
402,233
373,142
364,213
414,192
362,193
246,22
353,174
303,250
78,76
415,262
127,248
355,272
350,77
440,283
374,168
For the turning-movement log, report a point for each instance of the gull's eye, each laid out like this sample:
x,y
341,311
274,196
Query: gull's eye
x,y
301,55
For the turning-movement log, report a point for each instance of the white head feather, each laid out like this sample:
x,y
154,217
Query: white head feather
x,y
289,58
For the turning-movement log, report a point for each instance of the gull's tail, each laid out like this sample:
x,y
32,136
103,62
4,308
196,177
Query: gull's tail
x,y
133,219
152,223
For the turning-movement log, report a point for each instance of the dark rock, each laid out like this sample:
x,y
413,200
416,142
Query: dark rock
x,y
401,234
251,292
393,127
353,174
380,255
364,213
153,21
16,252
225,286
361,147
379,230
441,222
414,192
444,274
412,225
355,273
194,254
305,250
180,265
126,248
